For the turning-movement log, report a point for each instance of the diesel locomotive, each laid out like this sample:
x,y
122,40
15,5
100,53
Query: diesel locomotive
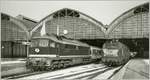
x,y
115,53
51,52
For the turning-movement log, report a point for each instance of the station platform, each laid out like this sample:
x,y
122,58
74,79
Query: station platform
x,y
134,69
12,59
10,66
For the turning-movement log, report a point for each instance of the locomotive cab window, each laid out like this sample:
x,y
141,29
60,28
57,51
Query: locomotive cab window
x,y
34,43
39,43
43,43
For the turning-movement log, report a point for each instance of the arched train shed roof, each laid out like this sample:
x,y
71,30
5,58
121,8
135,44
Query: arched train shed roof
x,y
79,14
126,15
13,29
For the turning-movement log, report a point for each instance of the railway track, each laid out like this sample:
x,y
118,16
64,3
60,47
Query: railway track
x,y
31,73
97,74
16,76
73,73
89,71
115,72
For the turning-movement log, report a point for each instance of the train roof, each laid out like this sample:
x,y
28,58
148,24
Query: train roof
x,y
63,40
113,44
93,47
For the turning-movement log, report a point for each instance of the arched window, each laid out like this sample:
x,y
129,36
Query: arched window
x,y
144,8
66,12
4,17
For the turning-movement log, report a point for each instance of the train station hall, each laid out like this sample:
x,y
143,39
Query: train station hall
x,y
70,42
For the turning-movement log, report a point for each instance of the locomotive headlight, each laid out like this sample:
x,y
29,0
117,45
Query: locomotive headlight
x,y
37,50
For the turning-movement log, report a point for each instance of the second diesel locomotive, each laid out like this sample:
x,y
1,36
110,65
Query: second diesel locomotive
x,y
115,53
50,52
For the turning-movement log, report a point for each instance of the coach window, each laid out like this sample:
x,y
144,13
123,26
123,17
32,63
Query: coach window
x,y
81,47
57,45
77,48
69,46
